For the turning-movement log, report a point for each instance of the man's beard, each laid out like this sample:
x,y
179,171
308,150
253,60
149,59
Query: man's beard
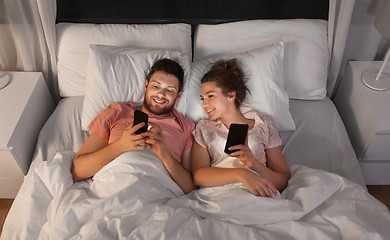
x,y
157,110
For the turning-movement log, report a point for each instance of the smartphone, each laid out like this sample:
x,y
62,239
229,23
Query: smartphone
x,y
138,118
237,135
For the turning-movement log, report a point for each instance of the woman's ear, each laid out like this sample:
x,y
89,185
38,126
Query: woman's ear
x,y
232,96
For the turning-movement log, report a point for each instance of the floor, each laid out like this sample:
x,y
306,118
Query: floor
x,y
5,205
382,193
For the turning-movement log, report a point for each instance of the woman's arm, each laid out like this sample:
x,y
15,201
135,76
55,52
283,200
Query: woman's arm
x,y
207,176
276,170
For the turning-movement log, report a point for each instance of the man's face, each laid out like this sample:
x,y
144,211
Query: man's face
x,y
161,93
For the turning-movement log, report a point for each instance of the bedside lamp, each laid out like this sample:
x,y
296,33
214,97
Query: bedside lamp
x,y
373,78
4,79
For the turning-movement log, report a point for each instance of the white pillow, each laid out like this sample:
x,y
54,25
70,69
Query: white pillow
x,y
306,54
73,42
263,71
118,74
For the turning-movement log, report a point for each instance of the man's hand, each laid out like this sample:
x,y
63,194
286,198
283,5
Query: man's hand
x,y
129,141
156,141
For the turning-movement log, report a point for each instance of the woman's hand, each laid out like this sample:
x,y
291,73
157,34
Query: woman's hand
x,y
256,184
244,154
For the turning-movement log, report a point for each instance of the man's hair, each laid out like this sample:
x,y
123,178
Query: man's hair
x,y
170,67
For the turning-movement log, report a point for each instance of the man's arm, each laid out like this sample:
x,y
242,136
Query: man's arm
x,y
179,172
96,152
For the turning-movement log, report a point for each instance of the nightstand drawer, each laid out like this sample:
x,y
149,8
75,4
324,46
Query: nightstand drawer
x,y
11,176
365,113
375,172
366,116
25,105
378,149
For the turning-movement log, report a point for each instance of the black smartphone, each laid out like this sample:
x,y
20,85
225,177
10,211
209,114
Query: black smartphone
x,y
139,117
237,135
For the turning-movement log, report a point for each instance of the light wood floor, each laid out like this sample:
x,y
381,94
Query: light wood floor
x,y
382,193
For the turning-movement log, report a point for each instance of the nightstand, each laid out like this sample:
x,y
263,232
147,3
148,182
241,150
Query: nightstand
x,y
366,116
25,105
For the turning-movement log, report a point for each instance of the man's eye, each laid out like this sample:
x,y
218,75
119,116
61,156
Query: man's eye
x,y
210,96
201,98
169,90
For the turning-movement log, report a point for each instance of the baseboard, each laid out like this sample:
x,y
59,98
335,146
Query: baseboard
x,y
9,187
376,172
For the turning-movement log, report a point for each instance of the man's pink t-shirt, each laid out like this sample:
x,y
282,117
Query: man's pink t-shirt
x,y
113,120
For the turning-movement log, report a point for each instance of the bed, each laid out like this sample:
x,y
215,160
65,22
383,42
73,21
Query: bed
x,y
289,51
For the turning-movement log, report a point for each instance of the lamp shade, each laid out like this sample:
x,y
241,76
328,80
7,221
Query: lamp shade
x,y
372,78
4,79
382,20
375,6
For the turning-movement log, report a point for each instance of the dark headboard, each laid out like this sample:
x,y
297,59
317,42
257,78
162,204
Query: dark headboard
x,y
187,11
193,12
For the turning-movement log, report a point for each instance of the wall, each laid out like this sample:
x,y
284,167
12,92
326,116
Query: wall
x,y
364,42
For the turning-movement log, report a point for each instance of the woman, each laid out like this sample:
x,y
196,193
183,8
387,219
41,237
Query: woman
x,y
259,164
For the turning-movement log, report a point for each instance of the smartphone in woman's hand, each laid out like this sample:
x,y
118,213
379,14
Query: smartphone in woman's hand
x,y
237,135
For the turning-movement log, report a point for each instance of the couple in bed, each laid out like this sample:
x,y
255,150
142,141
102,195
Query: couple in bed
x,y
259,164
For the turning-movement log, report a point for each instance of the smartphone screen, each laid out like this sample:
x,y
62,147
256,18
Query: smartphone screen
x,y
138,118
237,135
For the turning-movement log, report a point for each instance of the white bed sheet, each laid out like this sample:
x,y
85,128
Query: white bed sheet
x,y
134,198
320,140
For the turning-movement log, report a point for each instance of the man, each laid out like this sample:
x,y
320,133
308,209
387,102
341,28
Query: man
x,y
113,133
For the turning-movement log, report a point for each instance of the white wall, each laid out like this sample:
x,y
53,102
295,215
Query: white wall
x,y
364,42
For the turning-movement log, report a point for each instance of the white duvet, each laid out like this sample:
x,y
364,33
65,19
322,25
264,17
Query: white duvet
x,y
134,197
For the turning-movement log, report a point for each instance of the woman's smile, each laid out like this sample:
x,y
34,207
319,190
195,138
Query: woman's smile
x,y
210,111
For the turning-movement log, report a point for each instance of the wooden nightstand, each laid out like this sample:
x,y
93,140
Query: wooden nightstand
x,y
25,105
366,115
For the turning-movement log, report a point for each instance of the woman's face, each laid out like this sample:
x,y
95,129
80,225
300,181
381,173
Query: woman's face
x,y
214,102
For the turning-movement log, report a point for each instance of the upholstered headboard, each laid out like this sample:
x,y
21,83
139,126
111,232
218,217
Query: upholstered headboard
x,y
192,12
336,12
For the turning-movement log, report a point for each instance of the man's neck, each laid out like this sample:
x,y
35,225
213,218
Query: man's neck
x,y
145,110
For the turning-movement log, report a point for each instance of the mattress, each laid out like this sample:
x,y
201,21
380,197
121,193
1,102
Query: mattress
x,y
319,141
134,197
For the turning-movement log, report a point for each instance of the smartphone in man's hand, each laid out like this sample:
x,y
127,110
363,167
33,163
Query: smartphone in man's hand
x,y
237,135
139,117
